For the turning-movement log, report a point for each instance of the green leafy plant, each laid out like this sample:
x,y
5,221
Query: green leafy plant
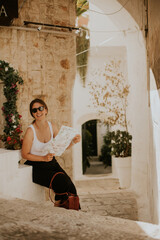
x,y
105,156
120,143
82,46
82,41
86,148
81,6
12,129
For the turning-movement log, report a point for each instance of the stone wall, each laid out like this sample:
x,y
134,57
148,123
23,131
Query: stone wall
x,y
153,38
153,45
45,59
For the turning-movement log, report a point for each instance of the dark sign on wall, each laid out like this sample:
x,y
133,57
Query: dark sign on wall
x,y
8,11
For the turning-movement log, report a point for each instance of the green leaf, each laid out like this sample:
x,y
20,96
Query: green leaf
x,y
10,78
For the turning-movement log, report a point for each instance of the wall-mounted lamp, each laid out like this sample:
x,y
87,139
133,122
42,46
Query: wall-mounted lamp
x,y
87,35
50,25
39,28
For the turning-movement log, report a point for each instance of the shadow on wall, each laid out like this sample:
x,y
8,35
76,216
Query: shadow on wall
x,y
155,150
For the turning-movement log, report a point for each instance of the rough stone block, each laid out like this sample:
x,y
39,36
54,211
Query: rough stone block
x,y
43,59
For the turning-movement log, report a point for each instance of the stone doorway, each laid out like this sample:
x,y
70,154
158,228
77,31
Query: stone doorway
x,y
92,141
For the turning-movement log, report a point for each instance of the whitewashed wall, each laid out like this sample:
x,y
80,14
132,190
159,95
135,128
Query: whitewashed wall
x,y
154,166
107,43
137,74
133,39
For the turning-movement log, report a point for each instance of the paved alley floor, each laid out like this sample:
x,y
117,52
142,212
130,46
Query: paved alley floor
x,y
108,213
104,197
25,220
117,204
97,167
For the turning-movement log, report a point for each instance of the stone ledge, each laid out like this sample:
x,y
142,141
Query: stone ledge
x,y
16,179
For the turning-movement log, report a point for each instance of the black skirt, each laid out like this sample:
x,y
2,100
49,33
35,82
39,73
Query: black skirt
x,y
43,172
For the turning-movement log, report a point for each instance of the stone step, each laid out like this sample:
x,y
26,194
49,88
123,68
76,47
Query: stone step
x,y
21,186
94,159
21,219
8,169
28,190
120,204
93,185
103,196
98,168
16,179
9,161
96,163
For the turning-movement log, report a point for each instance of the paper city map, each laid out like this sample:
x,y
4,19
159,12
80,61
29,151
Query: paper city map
x,y
59,144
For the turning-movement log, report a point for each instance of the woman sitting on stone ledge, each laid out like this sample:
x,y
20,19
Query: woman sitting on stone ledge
x,y
38,134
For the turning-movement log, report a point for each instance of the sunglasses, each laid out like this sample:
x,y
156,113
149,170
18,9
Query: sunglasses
x,y
41,108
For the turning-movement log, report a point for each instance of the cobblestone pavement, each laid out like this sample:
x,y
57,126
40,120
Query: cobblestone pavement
x,y
117,204
105,215
104,197
24,220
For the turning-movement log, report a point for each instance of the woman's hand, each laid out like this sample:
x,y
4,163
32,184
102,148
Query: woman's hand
x,y
48,157
76,139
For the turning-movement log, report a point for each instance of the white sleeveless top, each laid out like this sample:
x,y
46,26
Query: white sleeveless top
x,y
37,146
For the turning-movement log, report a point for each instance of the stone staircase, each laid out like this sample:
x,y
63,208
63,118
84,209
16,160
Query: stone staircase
x,y
21,219
103,196
107,212
116,204
98,195
100,184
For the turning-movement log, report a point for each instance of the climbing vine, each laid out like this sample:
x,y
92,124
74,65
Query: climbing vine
x,y
81,6
82,46
82,41
12,129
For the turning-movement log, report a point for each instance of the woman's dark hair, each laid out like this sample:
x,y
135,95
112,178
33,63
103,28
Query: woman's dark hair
x,y
37,100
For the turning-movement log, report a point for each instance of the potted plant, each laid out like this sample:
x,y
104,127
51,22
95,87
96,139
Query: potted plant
x,y
120,144
105,156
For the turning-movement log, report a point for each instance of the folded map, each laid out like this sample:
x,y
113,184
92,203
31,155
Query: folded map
x,y
63,139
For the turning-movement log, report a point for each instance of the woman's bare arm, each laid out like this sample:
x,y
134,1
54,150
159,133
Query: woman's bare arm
x,y
75,140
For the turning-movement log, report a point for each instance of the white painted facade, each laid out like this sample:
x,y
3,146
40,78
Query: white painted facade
x,y
107,42
82,103
145,152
